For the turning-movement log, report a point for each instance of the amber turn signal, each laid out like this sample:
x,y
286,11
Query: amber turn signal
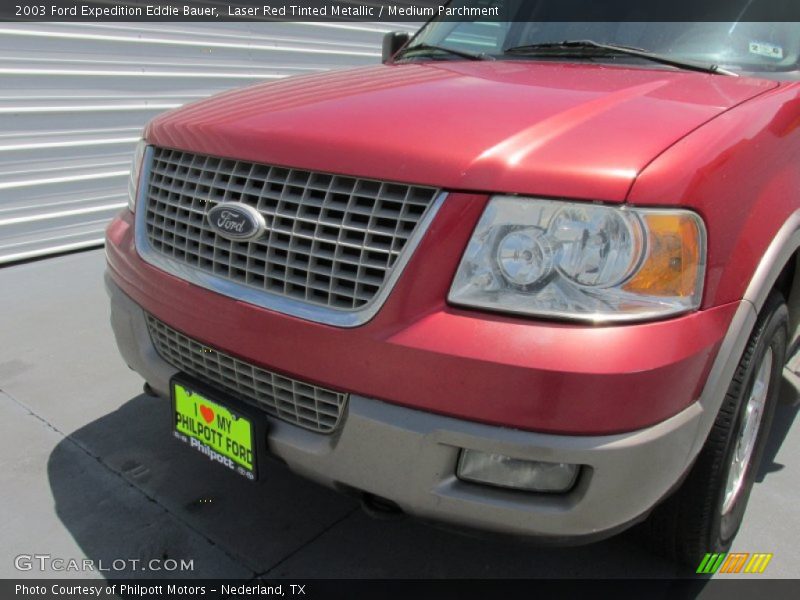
x,y
673,259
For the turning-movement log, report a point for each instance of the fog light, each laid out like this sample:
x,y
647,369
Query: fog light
x,y
507,472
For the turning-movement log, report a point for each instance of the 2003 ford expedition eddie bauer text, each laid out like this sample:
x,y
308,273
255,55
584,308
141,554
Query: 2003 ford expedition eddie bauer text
x,y
536,278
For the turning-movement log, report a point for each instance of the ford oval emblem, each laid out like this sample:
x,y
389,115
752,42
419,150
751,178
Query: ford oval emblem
x,y
236,221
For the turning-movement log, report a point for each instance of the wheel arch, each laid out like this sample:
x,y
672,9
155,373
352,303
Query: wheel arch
x,y
779,268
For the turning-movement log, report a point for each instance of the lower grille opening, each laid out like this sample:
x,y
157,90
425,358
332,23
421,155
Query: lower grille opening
x,y
306,405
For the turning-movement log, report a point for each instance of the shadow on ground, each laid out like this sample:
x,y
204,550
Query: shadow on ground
x,y
125,489
785,416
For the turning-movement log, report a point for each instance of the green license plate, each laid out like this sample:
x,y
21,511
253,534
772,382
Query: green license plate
x,y
224,436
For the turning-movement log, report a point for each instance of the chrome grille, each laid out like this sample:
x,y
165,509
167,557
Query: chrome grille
x,y
303,404
331,240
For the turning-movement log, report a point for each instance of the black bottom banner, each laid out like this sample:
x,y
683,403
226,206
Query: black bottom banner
x,y
461,589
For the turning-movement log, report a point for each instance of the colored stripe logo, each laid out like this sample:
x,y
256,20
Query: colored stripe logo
x,y
734,562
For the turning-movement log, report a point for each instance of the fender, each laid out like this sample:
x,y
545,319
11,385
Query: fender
x,y
785,243
777,256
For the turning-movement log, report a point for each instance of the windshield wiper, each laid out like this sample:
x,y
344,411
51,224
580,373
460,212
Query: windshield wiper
x,y
429,49
592,48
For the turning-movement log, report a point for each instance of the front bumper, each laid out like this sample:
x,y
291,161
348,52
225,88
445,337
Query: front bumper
x,y
423,354
409,457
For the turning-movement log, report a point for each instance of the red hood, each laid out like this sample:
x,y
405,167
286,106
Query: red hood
x,y
555,129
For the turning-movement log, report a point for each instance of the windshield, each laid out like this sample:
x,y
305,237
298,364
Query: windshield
x,y
742,46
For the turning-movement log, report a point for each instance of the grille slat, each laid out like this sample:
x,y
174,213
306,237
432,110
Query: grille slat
x,y
331,240
309,406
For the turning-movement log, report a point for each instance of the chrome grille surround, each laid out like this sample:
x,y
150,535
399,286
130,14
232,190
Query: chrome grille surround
x,y
309,406
334,247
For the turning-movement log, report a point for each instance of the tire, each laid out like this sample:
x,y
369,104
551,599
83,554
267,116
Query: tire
x,y
704,514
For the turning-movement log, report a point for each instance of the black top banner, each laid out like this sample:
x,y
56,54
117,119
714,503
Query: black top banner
x,y
402,10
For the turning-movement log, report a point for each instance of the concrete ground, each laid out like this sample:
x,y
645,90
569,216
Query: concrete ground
x,y
90,470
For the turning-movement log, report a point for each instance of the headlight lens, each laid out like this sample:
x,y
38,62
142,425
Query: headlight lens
x,y
597,248
525,257
136,169
582,261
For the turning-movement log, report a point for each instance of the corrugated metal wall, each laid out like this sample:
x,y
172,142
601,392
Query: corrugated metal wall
x,y
74,97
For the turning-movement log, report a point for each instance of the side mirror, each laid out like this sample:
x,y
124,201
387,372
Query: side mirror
x,y
392,42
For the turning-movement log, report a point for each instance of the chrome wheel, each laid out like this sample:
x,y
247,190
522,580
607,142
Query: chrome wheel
x,y
704,514
748,432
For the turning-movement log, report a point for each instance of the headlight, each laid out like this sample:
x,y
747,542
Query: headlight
x,y
582,261
136,169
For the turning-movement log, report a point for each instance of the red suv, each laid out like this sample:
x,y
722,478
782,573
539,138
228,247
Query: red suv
x,y
530,277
